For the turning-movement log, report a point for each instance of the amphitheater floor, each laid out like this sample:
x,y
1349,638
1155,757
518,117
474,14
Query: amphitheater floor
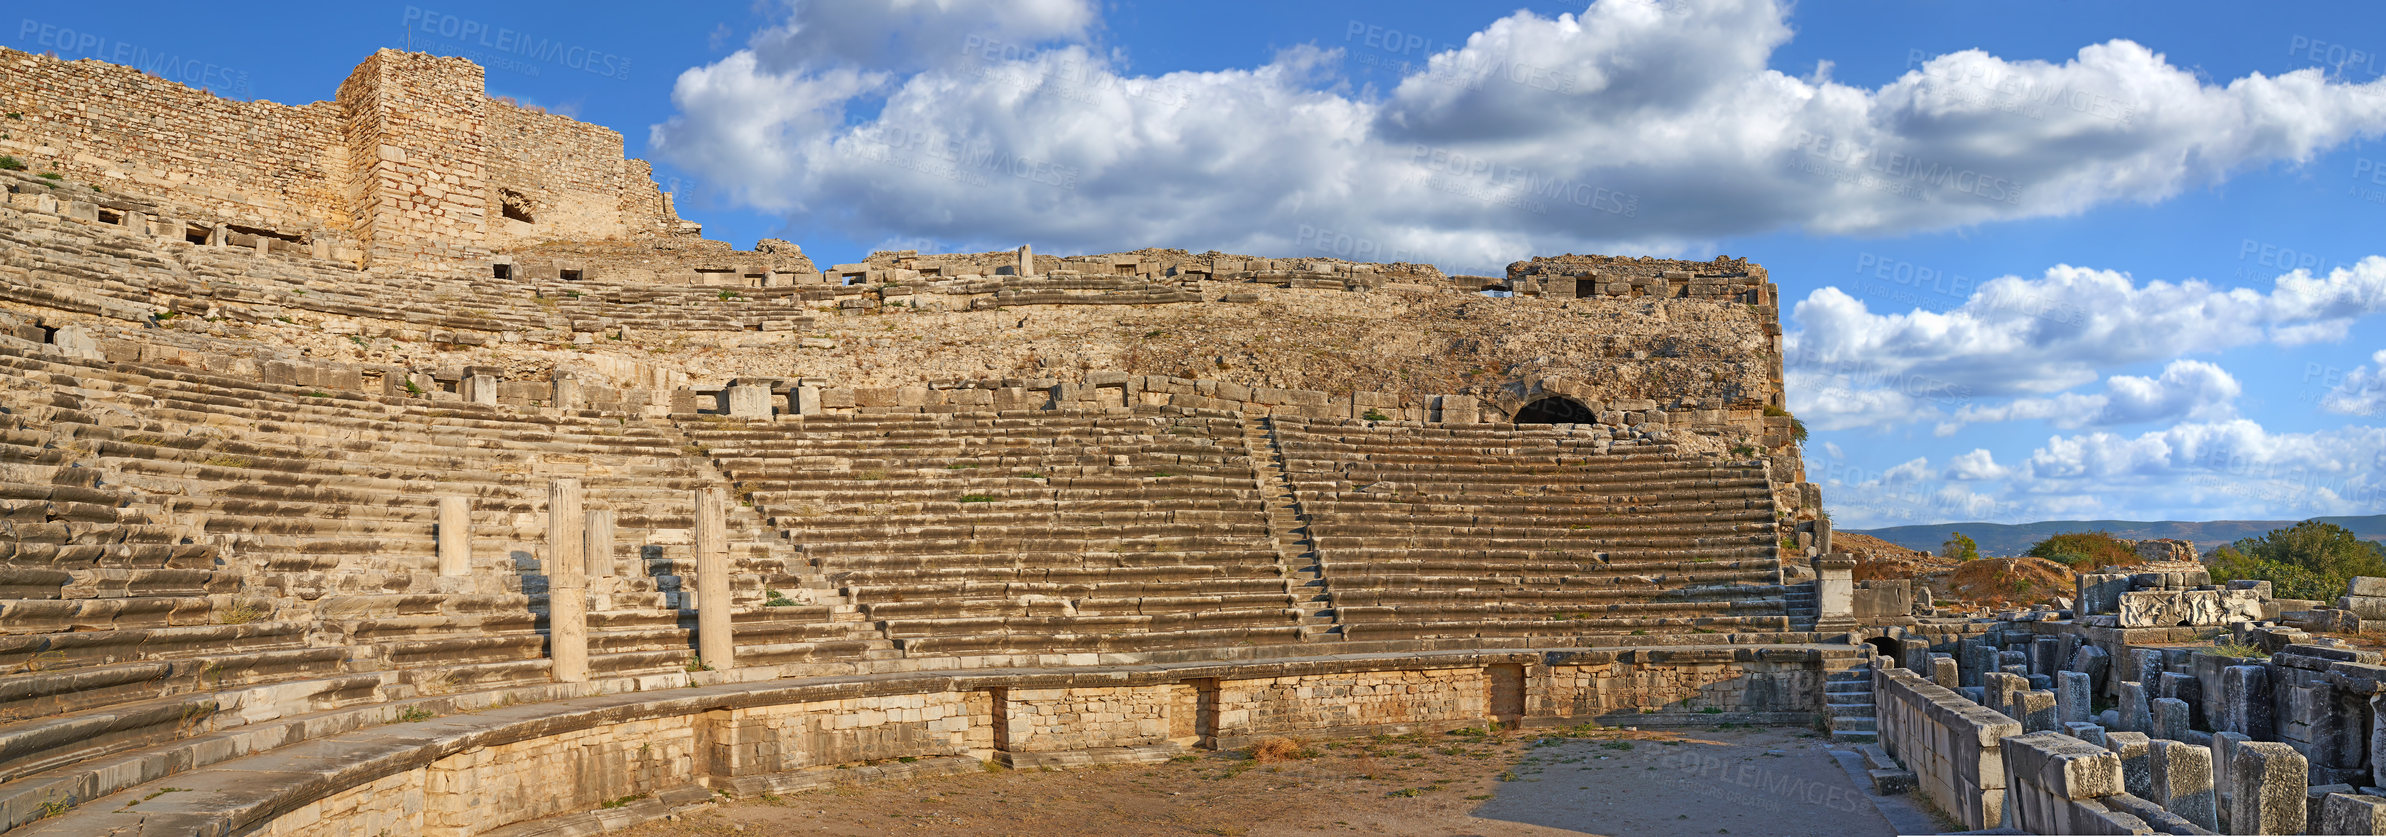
x,y
1700,781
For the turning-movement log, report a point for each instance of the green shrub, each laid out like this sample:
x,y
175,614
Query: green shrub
x,y
1960,547
8,163
2085,550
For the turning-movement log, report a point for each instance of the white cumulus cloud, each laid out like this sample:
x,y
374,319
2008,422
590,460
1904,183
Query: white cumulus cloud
x,y
2015,336
2186,389
1634,125
2362,392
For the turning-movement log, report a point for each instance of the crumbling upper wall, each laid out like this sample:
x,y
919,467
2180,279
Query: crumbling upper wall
x,y
411,161
265,164
573,179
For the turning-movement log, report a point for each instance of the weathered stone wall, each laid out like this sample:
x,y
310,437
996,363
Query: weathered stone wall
x,y
771,737
1952,745
578,184
407,160
259,163
425,194
1352,703
1617,686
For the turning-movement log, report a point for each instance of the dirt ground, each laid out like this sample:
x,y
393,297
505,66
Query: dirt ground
x,y
1720,780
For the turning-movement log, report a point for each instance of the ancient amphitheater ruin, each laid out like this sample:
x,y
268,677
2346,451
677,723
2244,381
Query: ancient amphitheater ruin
x,y
403,464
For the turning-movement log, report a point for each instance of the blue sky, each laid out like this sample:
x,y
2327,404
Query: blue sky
x,y
2031,254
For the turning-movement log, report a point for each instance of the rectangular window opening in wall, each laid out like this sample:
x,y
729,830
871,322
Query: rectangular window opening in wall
x,y
196,235
571,275
502,270
515,205
110,216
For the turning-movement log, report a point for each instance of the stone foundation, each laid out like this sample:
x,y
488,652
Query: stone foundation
x,y
615,756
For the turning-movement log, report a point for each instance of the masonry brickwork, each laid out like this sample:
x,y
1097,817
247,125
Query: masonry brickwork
x,y
411,165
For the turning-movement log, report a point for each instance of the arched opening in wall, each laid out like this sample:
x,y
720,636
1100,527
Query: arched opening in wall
x,y
1886,646
1556,409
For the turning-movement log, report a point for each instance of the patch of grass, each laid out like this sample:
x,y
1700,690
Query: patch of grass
x,y
697,665
777,599
241,614
976,498
1162,474
1615,745
1373,414
416,713
412,388
1278,748
616,803
228,461
51,175
2241,652
8,163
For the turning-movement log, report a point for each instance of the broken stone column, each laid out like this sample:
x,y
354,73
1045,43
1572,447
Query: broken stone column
x,y
2377,740
481,389
2244,705
567,582
2179,778
2267,781
2072,700
2135,714
2046,655
1027,261
1944,671
455,536
566,394
598,549
749,400
2224,753
1980,658
1917,659
2145,666
2170,719
2000,689
2135,751
2093,662
2352,813
2187,689
2036,711
807,401
713,639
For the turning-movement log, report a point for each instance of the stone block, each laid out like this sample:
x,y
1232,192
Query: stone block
x,y
2073,701
2170,719
2245,702
2179,778
2352,813
2266,790
2134,750
2136,715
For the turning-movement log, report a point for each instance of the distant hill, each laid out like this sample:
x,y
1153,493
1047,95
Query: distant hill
x,y
2004,539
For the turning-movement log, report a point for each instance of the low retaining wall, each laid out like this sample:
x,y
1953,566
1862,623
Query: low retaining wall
x,y
1952,745
611,757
